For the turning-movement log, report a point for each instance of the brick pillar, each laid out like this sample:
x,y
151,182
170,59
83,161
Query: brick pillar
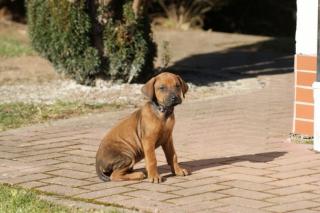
x,y
305,66
305,75
316,94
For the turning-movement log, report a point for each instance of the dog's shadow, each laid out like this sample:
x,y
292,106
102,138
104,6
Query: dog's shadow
x,y
196,165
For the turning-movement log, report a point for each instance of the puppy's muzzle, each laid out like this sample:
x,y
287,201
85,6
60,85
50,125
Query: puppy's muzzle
x,y
173,100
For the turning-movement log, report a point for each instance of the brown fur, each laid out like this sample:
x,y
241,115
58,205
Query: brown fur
x,y
137,136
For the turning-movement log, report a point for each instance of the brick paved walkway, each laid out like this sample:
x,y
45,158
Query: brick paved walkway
x,y
236,146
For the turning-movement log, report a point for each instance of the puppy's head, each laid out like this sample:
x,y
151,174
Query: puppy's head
x,y
165,88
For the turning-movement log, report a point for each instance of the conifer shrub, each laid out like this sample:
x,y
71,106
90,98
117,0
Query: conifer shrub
x,y
65,31
128,45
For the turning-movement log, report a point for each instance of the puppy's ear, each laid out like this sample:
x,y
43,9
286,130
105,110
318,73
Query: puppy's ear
x,y
148,88
184,85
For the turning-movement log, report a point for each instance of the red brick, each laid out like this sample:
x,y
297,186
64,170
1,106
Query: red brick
x,y
304,127
304,62
304,111
305,78
304,95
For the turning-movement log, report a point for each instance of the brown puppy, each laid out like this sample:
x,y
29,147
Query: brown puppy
x,y
142,132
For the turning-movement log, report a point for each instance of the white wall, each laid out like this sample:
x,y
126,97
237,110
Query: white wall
x,y
307,27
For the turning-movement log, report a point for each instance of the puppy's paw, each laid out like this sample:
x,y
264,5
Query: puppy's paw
x,y
139,176
182,172
155,179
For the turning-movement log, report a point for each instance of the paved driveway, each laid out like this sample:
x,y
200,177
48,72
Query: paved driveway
x,y
236,146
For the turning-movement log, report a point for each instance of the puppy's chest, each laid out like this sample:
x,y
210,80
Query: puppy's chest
x,y
165,132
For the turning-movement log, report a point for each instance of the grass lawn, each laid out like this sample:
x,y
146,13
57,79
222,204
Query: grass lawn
x,y
19,200
15,115
13,47
13,200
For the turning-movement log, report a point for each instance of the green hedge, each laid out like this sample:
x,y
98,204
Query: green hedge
x,y
63,31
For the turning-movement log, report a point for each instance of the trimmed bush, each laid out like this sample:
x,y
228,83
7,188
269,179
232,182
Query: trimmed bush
x,y
60,31
128,45
66,33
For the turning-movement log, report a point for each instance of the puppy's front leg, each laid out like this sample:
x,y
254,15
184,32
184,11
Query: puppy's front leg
x,y
151,161
172,159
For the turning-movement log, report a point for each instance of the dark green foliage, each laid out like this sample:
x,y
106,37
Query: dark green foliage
x,y
59,31
128,45
66,34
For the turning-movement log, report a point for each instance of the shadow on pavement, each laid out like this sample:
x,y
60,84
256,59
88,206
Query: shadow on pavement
x,y
274,56
197,165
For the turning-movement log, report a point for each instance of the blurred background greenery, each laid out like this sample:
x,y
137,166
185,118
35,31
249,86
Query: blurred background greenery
x,y
260,17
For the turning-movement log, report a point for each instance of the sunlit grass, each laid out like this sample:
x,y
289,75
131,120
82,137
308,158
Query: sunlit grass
x,y
15,115
12,47
16,199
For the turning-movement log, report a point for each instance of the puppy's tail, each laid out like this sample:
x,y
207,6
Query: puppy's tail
x,y
103,174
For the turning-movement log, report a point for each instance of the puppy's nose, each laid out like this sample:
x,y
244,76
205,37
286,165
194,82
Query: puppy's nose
x,y
174,98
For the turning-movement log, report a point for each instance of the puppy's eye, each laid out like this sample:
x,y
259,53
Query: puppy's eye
x,y
162,87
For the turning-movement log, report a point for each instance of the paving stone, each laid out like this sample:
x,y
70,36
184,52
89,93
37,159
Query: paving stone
x,y
200,182
294,181
299,205
251,171
196,198
261,187
7,155
294,173
27,178
297,166
251,178
76,166
114,198
196,207
293,197
84,153
146,205
72,174
66,181
200,189
155,187
236,192
151,195
62,190
77,159
305,211
244,202
32,184
239,162
40,157
105,185
238,209
105,192
293,189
